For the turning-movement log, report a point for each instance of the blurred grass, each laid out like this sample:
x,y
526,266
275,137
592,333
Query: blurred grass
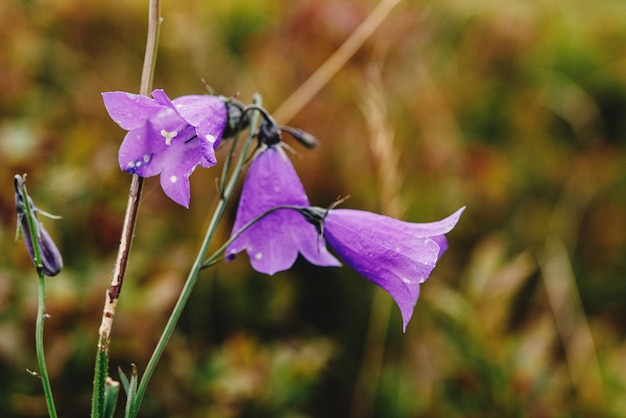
x,y
513,108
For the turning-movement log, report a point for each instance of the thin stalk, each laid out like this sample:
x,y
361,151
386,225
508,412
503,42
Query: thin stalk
x,y
192,277
41,358
41,306
128,228
226,168
334,63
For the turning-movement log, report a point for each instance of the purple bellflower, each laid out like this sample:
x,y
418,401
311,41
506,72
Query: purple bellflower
x,y
397,256
168,137
51,260
273,242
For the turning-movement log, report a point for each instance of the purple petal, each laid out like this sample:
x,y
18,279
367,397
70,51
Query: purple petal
x,y
268,243
139,149
436,230
129,110
273,242
162,98
386,251
430,229
208,114
51,257
177,165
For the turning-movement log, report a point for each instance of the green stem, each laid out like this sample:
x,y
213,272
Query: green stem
x,y
128,228
227,163
41,305
41,358
192,277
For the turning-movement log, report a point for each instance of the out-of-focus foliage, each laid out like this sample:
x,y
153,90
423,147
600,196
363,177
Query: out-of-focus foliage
x,y
514,108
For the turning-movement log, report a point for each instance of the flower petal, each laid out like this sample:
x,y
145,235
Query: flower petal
x,y
273,242
268,243
431,229
176,166
386,251
50,256
175,184
139,149
208,114
129,110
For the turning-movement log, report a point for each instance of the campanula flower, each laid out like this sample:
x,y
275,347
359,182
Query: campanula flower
x,y
273,243
168,137
51,259
396,255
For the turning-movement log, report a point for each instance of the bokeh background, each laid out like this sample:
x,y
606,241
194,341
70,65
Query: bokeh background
x,y
513,108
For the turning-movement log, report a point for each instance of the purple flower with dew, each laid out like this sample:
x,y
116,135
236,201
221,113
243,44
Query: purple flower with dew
x,y
397,256
168,137
273,243
51,259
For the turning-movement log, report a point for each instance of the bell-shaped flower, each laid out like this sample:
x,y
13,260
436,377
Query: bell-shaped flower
x,y
274,241
51,260
168,137
396,255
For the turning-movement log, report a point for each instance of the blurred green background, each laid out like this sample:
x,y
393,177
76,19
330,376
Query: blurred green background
x,y
514,108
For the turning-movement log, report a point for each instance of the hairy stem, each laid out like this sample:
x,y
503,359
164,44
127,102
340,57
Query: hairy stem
x,y
128,228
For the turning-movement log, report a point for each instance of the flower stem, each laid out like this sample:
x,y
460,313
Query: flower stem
x,y
41,306
192,277
128,228
41,358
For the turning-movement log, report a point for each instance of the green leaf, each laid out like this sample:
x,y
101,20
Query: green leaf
x,y
131,404
124,379
110,397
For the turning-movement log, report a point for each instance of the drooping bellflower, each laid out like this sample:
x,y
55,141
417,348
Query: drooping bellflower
x,y
273,242
51,260
168,137
396,255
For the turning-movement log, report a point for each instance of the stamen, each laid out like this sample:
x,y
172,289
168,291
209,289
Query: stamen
x,y
168,136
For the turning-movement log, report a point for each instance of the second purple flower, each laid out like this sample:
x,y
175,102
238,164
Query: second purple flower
x,y
273,243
